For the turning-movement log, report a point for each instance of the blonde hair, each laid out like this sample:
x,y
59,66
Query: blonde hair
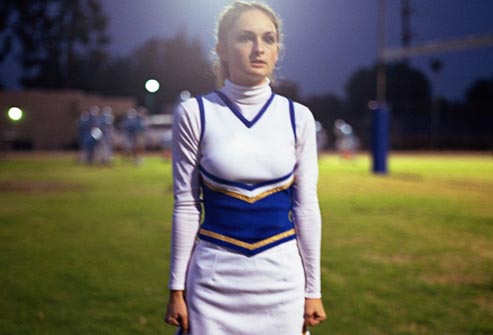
x,y
225,23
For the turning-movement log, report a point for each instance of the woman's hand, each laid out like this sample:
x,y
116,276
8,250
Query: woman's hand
x,y
314,312
177,314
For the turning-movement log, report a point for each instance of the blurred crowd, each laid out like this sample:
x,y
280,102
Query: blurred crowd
x,y
99,133
96,128
347,143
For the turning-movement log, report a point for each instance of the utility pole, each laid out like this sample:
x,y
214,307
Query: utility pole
x,y
436,67
380,114
406,33
381,76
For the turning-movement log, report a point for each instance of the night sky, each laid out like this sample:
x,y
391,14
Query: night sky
x,y
325,40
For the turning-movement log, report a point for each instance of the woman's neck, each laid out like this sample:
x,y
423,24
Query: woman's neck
x,y
247,95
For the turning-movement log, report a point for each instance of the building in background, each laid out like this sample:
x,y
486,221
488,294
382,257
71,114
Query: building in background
x,y
49,118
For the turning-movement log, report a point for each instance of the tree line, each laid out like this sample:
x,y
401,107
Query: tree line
x,y
61,44
417,119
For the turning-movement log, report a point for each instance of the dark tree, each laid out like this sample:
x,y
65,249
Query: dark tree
x,y
479,98
185,67
60,42
326,109
177,63
479,120
287,88
409,98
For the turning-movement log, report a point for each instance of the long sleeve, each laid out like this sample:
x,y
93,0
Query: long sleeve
x,y
186,189
306,210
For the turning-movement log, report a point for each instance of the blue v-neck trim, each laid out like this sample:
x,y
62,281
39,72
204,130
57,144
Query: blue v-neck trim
x,y
240,116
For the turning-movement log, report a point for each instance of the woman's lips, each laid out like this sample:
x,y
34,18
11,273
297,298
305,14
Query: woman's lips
x,y
258,62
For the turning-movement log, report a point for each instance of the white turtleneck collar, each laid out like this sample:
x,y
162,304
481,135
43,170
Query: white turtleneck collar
x,y
247,95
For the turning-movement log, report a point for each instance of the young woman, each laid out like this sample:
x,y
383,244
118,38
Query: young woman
x,y
249,157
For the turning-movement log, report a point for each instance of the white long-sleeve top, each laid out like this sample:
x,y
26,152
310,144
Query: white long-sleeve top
x,y
186,176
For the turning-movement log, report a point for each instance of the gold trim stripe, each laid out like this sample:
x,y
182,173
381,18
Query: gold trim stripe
x,y
246,198
249,246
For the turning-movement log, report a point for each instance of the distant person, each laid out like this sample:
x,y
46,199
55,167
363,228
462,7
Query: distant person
x,y
322,138
128,126
142,115
93,136
84,133
347,143
249,157
106,124
133,127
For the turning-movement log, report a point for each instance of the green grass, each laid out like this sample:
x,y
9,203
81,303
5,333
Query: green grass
x,y
84,250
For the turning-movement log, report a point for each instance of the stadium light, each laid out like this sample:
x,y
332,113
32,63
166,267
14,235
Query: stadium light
x,y
152,85
15,114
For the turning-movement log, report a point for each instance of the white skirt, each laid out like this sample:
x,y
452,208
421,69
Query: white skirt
x,y
229,293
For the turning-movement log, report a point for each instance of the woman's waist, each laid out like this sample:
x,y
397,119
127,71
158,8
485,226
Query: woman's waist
x,y
248,235
290,246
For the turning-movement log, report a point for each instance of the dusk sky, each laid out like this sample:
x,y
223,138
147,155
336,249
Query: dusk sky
x,y
325,40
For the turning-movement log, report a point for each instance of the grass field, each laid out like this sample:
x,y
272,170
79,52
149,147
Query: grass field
x,y
84,250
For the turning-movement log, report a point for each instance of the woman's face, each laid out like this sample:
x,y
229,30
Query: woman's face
x,y
252,49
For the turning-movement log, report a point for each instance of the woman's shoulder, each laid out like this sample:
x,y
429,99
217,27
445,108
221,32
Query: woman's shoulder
x,y
302,113
193,103
190,109
187,110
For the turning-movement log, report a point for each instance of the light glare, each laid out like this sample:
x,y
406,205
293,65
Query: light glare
x,y
15,113
185,95
152,85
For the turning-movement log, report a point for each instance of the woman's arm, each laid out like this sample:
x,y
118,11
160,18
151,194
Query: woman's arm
x,y
186,207
306,210
306,214
186,190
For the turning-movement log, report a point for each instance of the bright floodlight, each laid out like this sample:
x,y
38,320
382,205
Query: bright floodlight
x,y
152,85
15,113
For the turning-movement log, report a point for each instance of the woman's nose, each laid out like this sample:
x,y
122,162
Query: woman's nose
x,y
258,46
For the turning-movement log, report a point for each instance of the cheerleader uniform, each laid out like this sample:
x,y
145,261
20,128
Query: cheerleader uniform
x,y
248,157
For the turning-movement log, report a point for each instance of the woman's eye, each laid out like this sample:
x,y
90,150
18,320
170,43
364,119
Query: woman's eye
x,y
269,39
244,38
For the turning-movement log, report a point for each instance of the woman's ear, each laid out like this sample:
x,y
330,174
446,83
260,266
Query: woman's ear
x,y
221,51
